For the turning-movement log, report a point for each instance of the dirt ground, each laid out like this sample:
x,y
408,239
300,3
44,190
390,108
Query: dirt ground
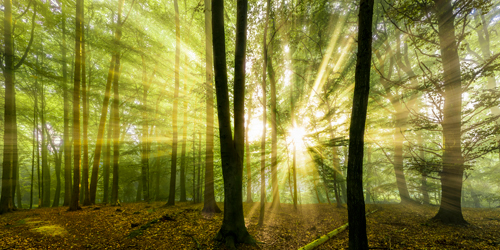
x,y
152,226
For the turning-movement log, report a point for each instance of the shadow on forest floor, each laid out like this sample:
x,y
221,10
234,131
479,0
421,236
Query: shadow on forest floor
x,y
151,226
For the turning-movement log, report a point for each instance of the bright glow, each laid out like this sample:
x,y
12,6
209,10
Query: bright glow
x,y
297,134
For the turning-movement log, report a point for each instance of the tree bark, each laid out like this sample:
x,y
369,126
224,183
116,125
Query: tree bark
x,y
274,129
85,165
66,133
107,163
233,229
248,153
45,166
355,200
115,109
74,205
209,206
450,210
173,167
100,134
184,135
264,121
145,133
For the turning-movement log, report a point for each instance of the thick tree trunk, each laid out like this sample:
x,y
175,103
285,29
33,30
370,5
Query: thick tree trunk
x,y
355,200
233,229
74,205
173,167
450,210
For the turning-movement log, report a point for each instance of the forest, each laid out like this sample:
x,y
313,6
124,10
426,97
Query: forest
x,y
250,124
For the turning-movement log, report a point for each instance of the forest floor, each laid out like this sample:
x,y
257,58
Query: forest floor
x,y
152,226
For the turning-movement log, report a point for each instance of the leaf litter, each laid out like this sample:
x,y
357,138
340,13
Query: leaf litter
x,y
183,226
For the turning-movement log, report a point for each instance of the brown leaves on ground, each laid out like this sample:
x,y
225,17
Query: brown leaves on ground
x,y
152,226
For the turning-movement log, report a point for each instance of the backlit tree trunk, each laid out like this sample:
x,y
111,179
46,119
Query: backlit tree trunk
x,y
233,229
264,121
66,141
115,109
355,199
173,167
85,165
450,210
209,205
74,205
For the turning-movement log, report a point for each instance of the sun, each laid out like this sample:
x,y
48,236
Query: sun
x,y
297,134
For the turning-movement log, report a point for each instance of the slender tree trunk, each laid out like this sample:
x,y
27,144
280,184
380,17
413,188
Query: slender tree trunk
x,y
194,166
450,210
85,165
184,136
173,168
66,134
233,229
274,130
107,164
145,133
355,200
35,145
264,121
484,42
200,169
294,160
115,109
248,153
100,134
57,194
209,205
45,166
76,110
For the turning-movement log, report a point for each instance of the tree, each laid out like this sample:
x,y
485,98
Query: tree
x,y
450,210
233,229
10,155
74,205
355,200
264,121
66,133
85,165
209,206
115,108
173,167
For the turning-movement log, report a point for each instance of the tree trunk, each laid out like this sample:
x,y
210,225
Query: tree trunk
x,y
76,110
248,153
274,130
209,206
115,109
100,136
184,135
173,167
264,121
45,166
107,164
85,165
66,133
484,42
233,229
450,210
145,133
355,200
